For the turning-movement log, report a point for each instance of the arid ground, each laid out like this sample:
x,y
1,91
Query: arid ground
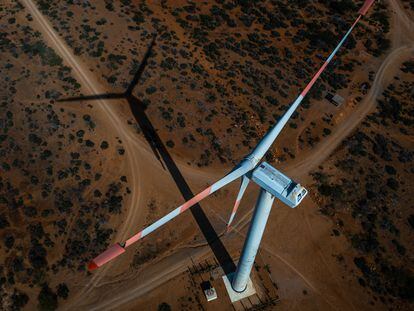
x,y
94,147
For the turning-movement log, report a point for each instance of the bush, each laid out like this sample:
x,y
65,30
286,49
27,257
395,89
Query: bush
x,y
408,66
104,145
47,299
327,190
170,144
63,291
19,300
37,255
9,240
392,183
326,131
164,307
3,221
411,221
47,55
151,90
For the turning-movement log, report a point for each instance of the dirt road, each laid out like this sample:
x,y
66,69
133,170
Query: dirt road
x,y
402,41
132,145
322,151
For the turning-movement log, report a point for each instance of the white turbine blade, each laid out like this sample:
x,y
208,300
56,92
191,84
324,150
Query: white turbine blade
x,y
244,183
119,248
239,171
266,142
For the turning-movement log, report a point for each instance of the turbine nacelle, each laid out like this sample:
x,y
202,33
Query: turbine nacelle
x,y
278,184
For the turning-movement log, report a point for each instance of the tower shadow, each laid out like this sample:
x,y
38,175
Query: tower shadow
x,y
160,151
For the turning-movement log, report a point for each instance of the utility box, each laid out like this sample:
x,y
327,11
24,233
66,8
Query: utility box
x,y
209,291
211,294
278,184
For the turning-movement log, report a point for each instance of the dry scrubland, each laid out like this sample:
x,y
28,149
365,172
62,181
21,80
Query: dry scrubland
x,y
56,191
365,188
220,73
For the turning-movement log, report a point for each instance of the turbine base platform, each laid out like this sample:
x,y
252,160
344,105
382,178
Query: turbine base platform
x,y
236,296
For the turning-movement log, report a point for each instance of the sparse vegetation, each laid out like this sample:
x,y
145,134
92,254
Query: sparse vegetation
x,y
365,194
220,74
50,163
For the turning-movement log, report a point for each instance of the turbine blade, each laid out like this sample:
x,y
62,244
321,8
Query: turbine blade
x,y
365,7
266,142
112,252
244,183
119,248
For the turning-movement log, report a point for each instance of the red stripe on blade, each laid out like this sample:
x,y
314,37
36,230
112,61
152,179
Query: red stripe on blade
x,y
109,254
365,7
195,200
236,206
92,266
133,239
315,77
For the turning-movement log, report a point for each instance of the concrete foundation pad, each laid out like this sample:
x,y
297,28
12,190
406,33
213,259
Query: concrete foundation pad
x,y
235,296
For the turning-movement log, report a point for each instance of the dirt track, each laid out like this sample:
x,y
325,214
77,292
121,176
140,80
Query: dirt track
x,y
402,48
175,264
330,143
91,87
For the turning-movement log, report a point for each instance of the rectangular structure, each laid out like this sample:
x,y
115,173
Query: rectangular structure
x,y
210,294
236,296
338,100
278,184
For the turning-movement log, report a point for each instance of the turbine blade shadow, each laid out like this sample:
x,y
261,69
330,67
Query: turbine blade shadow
x,y
133,107
161,153
160,150
92,97
141,67
207,229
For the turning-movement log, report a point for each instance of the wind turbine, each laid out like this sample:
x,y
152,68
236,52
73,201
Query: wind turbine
x,y
272,183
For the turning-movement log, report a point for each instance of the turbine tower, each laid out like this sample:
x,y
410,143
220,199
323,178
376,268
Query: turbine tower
x,y
273,184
